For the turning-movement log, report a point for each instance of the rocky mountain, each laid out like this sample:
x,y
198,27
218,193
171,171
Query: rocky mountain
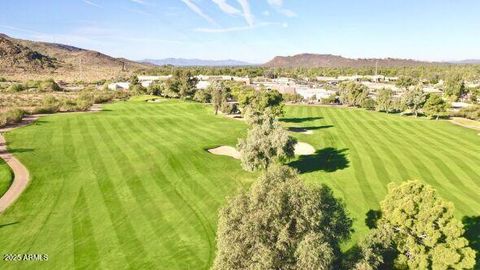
x,y
335,61
31,59
182,62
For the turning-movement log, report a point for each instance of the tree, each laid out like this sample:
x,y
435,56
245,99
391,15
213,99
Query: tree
x,y
384,100
261,100
281,224
266,143
369,104
187,84
203,96
454,87
219,96
435,106
423,229
353,94
414,99
405,82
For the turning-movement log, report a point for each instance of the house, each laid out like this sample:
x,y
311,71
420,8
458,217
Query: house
x,y
203,85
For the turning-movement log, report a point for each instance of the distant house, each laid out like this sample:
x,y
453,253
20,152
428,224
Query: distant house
x,y
119,86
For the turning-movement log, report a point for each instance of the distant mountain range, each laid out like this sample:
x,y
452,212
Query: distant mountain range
x,y
182,62
466,62
25,59
335,61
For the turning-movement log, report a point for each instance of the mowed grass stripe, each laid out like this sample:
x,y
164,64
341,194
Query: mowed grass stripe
x,y
112,255
422,158
143,197
357,164
434,161
124,230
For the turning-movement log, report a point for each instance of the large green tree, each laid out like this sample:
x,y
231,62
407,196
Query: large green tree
x,y
266,143
414,99
435,106
454,87
422,228
281,224
353,94
384,102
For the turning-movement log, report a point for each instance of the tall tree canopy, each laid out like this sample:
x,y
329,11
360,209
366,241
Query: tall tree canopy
x,y
422,228
454,87
281,224
266,143
353,94
435,106
414,99
384,102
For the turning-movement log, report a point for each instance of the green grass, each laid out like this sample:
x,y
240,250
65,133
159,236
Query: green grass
x,y
133,187
6,177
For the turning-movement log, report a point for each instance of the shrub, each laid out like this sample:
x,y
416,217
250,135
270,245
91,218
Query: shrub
x,y
472,112
49,86
16,87
11,116
369,104
49,105
2,79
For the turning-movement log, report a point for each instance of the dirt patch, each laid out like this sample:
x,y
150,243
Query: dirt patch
x,y
304,149
300,130
467,123
225,151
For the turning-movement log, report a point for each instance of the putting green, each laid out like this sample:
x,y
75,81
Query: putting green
x,y
133,187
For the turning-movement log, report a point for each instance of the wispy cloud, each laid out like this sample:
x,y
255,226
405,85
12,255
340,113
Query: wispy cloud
x,y
141,2
226,8
193,7
239,28
91,3
247,12
278,6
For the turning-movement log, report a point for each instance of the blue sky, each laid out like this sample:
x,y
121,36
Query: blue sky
x,y
252,30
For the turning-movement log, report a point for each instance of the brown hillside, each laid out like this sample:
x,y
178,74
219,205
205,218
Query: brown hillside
x,y
63,62
335,61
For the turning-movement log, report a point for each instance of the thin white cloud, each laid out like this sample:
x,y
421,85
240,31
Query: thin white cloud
x,y
247,12
91,3
193,7
277,3
141,2
226,8
237,29
278,6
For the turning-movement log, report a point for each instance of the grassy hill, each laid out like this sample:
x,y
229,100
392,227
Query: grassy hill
x,y
133,187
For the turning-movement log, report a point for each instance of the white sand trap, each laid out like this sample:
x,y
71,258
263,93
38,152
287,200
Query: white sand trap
x,y
154,100
301,130
225,151
304,149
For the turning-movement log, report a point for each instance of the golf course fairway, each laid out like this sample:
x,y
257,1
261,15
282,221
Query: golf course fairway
x,y
134,187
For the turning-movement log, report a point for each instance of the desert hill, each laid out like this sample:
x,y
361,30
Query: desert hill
x,y
336,61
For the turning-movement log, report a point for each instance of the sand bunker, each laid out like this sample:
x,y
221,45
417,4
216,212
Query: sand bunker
x,y
156,100
225,151
300,130
304,149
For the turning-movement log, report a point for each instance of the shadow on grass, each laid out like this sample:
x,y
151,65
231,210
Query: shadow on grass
x,y
8,224
15,150
303,129
299,119
472,233
327,159
372,217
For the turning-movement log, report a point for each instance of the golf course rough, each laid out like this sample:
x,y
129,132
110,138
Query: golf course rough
x,y
6,177
133,187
